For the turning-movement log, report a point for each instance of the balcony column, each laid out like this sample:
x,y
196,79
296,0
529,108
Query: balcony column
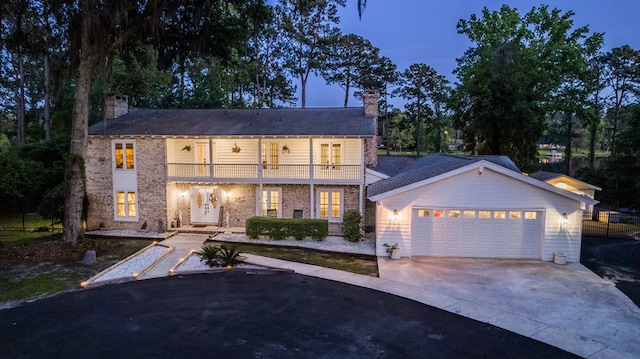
x,y
211,159
311,168
362,179
259,204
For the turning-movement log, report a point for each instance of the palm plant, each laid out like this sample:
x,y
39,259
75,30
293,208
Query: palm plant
x,y
229,257
210,255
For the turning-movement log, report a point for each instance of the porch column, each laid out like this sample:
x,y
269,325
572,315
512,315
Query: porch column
x,y
362,175
311,168
259,196
211,159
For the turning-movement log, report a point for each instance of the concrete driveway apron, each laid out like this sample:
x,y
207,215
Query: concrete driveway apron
x,y
567,306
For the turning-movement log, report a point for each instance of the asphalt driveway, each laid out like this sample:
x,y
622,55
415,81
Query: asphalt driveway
x,y
240,315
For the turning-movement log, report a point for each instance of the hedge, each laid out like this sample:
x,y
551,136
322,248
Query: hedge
x,y
281,228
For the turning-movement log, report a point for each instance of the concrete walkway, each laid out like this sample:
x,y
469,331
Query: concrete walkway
x,y
568,307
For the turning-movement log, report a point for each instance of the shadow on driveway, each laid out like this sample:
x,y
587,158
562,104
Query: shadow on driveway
x,y
250,315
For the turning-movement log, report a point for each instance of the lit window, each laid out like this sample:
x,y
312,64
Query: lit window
x,y
124,155
270,155
438,213
330,204
331,154
423,213
271,202
484,214
118,154
530,215
515,214
126,205
454,213
469,214
500,214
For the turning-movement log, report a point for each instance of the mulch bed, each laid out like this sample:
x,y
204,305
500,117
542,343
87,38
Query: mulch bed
x,y
53,251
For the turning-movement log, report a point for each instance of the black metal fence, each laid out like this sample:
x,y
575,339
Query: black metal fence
x,y
27,222
614,224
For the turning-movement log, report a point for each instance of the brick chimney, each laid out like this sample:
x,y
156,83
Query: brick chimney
x,y
115,105
371,145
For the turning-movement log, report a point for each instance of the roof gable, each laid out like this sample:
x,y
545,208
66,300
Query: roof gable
x,y
381,190
554,178
344,122
431,166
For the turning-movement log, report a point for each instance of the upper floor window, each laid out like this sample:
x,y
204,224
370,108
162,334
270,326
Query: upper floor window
x,y
331,154
124,153
270,154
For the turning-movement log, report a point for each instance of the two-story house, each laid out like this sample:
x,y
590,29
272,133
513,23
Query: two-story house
x,y
148,169
151,168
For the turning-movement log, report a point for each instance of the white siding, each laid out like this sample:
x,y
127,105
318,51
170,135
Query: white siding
x,y
489,190
249,152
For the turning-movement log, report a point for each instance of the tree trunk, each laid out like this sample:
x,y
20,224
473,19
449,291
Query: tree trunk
x,y
20,102
75,175
303,91
346,95
568,116
47,96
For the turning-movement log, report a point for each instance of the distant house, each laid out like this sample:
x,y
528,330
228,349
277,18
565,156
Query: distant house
x,y
149,168
571,184
475,206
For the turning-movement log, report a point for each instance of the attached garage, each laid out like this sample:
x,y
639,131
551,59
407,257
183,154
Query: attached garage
x,y
482,233
475,206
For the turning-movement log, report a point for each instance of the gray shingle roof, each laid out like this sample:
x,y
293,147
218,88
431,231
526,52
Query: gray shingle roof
x,y
391,165
239,122
432,166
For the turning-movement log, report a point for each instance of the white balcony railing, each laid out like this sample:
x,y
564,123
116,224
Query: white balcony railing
x,y
264,172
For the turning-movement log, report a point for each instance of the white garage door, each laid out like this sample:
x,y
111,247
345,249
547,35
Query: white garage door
x,y
476,233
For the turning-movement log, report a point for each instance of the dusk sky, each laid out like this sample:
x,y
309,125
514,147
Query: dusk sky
x,y
422,31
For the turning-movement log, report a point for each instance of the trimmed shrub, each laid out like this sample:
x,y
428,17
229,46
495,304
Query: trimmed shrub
x,y
352,226
281,228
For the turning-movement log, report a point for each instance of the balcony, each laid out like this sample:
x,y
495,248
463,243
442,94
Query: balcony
x,y
265,173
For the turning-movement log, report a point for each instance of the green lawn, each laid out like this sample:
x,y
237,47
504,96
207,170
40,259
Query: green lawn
x,y
355,263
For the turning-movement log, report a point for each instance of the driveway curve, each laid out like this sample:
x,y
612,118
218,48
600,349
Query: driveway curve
x,y
257,314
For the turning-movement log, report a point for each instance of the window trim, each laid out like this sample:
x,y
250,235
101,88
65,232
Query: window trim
x,y
126,217
330,191
332,154
261,199
124,144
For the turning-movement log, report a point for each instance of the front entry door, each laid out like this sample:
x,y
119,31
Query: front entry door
x,y
205,204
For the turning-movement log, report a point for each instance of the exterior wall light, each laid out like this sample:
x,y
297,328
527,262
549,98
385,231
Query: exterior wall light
x,y
565,219
395,216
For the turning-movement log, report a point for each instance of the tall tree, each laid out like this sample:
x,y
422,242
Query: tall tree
x,y
571,98
596,81
347,61
509,76
98,28
623,77
307,27
427,93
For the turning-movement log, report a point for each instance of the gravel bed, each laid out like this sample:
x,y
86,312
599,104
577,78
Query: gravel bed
x,y
331,243
134,265
130,233
194,263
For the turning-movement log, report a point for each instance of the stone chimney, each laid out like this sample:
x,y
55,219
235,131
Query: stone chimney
x,y
371,103
115,105
371,145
